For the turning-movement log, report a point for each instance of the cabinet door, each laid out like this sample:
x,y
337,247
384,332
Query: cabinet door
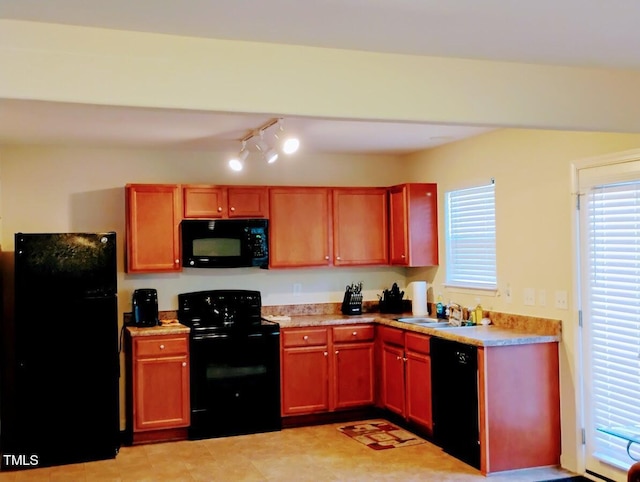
x,y
299,227
398,240
247,202
353,375
413,217
360,227
393,378
161,393
305,382
204,202
418,372
153,218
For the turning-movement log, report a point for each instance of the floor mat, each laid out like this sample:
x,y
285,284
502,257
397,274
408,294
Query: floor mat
x,y
380,435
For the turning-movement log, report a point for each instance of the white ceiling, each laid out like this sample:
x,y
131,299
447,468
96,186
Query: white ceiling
x,y
595,33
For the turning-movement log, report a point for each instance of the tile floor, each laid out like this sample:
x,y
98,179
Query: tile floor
x,y
317,454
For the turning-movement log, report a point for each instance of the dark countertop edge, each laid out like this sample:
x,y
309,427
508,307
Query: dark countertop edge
x,y
483,336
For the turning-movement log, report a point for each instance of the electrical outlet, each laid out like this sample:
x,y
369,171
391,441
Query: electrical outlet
x,y
542,297
297,289
561,300
529,297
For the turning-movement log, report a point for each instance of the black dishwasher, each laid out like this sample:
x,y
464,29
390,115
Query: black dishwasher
x,y
454,381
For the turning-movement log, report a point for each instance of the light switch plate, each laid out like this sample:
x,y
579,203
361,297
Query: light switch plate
x,y
542,297
561,300
529,297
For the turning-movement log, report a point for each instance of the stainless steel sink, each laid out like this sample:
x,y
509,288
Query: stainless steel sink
x,y
424,321
430,322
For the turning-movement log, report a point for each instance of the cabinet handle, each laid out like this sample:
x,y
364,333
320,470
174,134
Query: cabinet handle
x,y
355,333
326,257
219,209
184,363
398,357
338,258
162,347
232,209
326,353
337,351
403,256
405,359
177,261
305,337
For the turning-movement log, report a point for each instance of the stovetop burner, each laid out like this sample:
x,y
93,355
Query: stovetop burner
x,y
221,311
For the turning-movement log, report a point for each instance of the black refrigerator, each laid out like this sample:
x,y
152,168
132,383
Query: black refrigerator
x,y
60,388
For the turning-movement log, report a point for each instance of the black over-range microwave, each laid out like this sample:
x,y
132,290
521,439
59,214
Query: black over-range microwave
x,y
225,243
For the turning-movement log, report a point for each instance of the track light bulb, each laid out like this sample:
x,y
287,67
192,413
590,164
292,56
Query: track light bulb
x,y
290,145
271,155
237,163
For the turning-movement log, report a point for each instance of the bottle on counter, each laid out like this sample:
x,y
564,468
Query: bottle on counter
x,y
478,313
440,309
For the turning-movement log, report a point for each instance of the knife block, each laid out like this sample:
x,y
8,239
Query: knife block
x,y
352,303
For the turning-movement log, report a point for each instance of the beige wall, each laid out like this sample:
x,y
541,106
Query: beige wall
x,y
90,65
56,189
535,216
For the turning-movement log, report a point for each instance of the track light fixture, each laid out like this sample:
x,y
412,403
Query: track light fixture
x,y
286,144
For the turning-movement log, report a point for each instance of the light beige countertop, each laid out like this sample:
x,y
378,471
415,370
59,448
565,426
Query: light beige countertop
x,y
173,329
490,335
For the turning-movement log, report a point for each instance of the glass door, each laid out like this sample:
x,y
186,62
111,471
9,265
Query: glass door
x,y
610,304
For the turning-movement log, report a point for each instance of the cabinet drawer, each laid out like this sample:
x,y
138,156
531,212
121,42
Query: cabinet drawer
x,y
392,336
343,334
156,346
417,343
304,337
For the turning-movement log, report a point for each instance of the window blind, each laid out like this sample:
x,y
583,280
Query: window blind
x,y
614,312
471,237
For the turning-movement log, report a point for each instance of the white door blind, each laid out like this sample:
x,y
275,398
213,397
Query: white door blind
x,y
613,304
471,237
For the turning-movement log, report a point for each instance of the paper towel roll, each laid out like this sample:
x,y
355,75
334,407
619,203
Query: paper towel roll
x,y
418,293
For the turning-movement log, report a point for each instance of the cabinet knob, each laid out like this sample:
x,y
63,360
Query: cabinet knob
x,y
184,363
162,347
403,256
326,257
405,359
232,209
428,194
337,351
338,258
219,209
177,261
326,353
398,357
355,333
305,337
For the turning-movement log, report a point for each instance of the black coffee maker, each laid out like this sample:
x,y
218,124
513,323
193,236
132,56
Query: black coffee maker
x,y
145,308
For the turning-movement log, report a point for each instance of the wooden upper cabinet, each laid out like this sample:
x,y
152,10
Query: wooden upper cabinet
x,y
413,215
153,214
299,227
360,226
211,202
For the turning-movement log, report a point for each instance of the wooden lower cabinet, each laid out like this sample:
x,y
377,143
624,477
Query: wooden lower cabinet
x,y
406,376
519,403
158,407
327,368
